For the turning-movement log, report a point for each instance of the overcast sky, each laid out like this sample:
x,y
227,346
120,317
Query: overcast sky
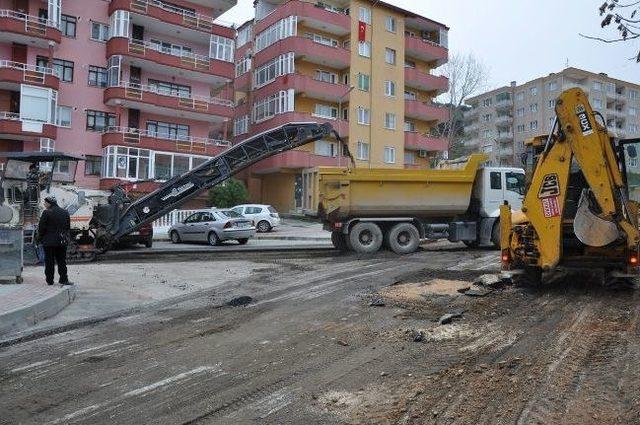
x,y
519,39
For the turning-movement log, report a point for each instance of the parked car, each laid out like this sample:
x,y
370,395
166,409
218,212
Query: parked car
x,y
213,226
143,236
265,216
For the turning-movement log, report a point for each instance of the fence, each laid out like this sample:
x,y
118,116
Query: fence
x,y
161,226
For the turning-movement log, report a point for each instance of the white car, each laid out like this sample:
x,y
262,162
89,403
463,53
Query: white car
x,y
265,216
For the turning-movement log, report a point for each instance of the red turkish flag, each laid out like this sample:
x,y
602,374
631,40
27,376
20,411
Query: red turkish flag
x,y
362,31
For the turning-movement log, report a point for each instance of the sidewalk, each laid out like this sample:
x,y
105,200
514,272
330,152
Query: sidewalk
x,y
25,305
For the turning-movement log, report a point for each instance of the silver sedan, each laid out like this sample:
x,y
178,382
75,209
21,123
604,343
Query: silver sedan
x,y
213,227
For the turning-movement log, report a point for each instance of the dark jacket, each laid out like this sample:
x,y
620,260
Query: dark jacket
x,y
54,226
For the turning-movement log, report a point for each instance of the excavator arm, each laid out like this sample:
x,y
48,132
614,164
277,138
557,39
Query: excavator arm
x,y
121,216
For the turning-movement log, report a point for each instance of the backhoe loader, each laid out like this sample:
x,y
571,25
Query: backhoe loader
x,y
579,210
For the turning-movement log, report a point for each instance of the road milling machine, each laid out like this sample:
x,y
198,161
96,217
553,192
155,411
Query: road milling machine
x,y
580,209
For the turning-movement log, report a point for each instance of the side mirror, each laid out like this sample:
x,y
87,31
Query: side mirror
x,y
632,152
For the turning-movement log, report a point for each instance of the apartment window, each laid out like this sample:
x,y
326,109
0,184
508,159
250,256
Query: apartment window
x,y
321,39
119,24
633,128
409,158
365,15
520,112
633,111
364,49
409,64
127,163
487,117
47,145
92,165
610,87
326,111
633,94
487,134
221,48
362,151
63,116
390,89
389,121
410,126
520,128
325,148
278,103
389,155
170,48
244,36
410,95
68,26
38,104
533,125
282,29
390,56
62,67
533,91
97,76
390,24
552,86
533,107
281,65
364,116
243,66
241,125
167,130
99,31
597,86
169,89
520,96
487,102
98,120
363,82
552,104
326,76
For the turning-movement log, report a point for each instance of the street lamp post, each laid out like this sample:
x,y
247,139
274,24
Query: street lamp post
x,y
339,119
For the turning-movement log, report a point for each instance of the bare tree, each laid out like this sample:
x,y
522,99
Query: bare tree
x,y
467,77
626,19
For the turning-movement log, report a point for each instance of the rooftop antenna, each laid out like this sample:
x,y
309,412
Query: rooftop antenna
x,y
566,64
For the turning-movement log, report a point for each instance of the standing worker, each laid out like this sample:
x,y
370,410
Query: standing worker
x,y
53,233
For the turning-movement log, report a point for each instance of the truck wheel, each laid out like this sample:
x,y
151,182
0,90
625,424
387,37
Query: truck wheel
x,y
365,238
339,241
532,276
495,235
403,238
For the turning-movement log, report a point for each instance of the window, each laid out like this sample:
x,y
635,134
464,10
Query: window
x,y
514,182
38,104
390,56
410,95
633,111
241,125
119,24
97,76
92,165
169,89
409,158
325,111
487,117
169,48
487,134
487,102
520,96
533,91
633,94
99,31
276,67
243,66
244,35
533,125
552,86
167,130
520,112
597,86
326,76
552,104
126,163
410,126
362,151
533,107
325,148
282,29
47,145
363,82
365,15
495,179
390,24
389,121
364,49
63,68
320,39
278,103
221,48
63,116
363,116
409,64
390,89
520,128
98,120
389,155
597,103
633,128
68,26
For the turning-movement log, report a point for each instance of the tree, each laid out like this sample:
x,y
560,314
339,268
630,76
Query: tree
x,y
230,193
467,76
625,16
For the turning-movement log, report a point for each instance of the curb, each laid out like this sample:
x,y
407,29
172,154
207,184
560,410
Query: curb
x,y
21,318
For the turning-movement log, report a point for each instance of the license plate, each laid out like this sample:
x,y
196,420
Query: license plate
x,y
243,225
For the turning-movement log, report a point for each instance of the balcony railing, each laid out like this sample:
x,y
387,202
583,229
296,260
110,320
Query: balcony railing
x,y
12,116
189,18
32,23
197,61
183,143
27,67
135,91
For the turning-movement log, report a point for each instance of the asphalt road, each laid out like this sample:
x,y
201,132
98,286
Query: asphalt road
x,y
309,349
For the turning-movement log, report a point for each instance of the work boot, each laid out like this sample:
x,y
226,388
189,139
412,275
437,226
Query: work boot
x,y
66,283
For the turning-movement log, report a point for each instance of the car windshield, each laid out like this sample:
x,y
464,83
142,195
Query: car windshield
x,y
272,210
515,182
229,214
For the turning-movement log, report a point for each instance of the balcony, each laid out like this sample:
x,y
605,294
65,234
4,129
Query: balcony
x,y
16,27
414,141
152,57
311,16
11,127
504,104
290,117
425,50
13,74
306,87
296,159
145,140
425,111
504,137
426,82
307,50
503,120
154,101
165,18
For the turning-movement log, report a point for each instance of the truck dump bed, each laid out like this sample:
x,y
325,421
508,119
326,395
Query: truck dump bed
x,y
335,194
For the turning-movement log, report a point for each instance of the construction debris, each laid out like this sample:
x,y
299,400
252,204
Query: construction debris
x,y
377,301
240,301
448,318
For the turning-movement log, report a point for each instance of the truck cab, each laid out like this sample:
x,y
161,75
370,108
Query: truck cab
x,y
494,186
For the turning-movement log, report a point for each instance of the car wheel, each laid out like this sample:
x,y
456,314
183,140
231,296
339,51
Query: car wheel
x,y
213,239
264,226
175,237
243,241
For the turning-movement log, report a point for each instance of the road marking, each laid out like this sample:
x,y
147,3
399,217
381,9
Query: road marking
x,y
172,379
32,366
77,413
97,347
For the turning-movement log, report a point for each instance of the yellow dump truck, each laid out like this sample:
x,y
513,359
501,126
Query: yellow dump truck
x,y
365,209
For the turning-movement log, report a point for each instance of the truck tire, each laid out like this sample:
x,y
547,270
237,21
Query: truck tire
x,y
365,238
338,240
403,238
